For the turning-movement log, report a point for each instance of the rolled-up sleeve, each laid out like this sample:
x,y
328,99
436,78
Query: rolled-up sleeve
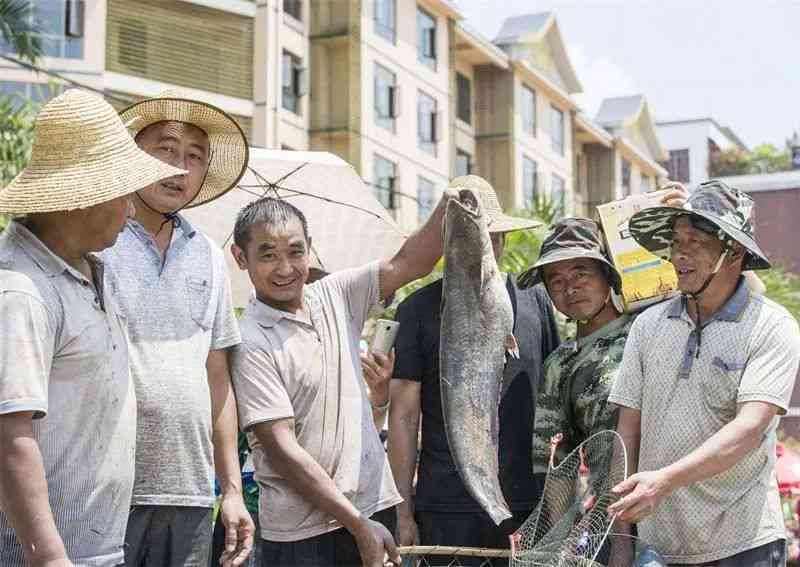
x,y
27,344
261,394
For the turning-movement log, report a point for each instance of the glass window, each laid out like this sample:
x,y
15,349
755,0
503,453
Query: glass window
x,y
463,163
426,38
557,195
385,15
426,199
37,92
646,184
528,111
294,8
464,98
626,177
385,180
293,77
386,97
678,165
529,182
61,28
557,130
427,119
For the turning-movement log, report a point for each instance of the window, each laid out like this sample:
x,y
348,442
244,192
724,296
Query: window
x,y
385,14
294,78
557,130
678,165
427,119
426,199
529,182
557,196
426,38
528,111
387,97
294,8
37,92
464,98
646,184
60,25
463,163
626,177
384,185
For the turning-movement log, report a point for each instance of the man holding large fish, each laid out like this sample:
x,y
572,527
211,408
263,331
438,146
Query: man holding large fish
x,y
487,340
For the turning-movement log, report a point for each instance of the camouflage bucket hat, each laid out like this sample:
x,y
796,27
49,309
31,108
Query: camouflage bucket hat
x,y
726,208
568,239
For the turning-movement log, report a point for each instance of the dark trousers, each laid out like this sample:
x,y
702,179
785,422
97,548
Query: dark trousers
x,y
771,554
471,529
336,548
168,536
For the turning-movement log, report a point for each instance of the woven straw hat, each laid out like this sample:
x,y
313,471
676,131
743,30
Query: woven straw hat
x,y
227,143
496,220
82,156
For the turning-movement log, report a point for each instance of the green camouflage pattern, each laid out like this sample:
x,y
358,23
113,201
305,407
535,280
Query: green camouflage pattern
x,y
728,208
570,238
573,394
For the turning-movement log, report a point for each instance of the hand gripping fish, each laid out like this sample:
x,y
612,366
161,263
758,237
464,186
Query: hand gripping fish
x,y
476,332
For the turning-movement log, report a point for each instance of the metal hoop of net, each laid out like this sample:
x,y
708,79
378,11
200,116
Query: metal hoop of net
x,y
569,527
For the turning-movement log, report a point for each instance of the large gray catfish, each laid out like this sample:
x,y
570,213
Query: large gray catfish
x,y
476,330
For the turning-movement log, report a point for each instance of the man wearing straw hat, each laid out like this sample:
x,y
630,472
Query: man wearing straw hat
x,y
67,404
442,512
703,380
175,293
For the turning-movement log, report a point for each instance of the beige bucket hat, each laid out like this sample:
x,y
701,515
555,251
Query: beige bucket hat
x,y
227,143
497,221
82,156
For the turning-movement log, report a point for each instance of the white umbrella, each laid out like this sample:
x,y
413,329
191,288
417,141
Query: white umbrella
x,y
348,225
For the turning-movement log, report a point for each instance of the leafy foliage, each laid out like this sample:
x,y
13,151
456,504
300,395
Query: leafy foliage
x,y
783,287
764,158
18,30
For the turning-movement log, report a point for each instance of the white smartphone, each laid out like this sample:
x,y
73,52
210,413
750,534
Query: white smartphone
x,y
385,334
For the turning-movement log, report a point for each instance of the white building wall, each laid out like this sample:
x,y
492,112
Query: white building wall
x,y
694,136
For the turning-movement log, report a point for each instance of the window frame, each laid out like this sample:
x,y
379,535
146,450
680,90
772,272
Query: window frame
x,y
388,120
677,159
427,145
389,202
427,59
387,32
529,197
291,12
468,156
423,212
59,41
463,98
296,88
529,126
557,142
625,176
560,205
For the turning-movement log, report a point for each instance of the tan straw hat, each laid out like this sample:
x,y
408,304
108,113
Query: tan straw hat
x,y
82,156
497,221
228,148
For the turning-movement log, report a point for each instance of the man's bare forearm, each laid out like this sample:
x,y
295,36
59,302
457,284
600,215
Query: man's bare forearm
x,y
225,424
23,492
403,432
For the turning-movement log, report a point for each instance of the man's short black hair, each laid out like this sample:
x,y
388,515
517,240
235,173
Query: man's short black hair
x,y
268,210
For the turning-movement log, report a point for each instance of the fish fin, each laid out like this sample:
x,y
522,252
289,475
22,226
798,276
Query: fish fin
x,y
512,347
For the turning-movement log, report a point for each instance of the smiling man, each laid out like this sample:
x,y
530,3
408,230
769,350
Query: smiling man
x,y
175,294
703,380
327,492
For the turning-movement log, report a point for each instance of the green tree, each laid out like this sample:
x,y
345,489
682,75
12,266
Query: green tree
x,y
17,116
783,287
765,158
18,30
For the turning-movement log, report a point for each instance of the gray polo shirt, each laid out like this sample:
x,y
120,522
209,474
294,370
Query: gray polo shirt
x,y
63,355
749,351
289,366
177,310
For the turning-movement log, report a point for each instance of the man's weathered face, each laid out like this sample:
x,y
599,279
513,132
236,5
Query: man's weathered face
x,y
694,254
277,259
577,287
498,244
103,223
183,146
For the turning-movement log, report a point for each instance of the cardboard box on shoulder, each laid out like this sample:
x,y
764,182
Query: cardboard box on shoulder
x,y
646,279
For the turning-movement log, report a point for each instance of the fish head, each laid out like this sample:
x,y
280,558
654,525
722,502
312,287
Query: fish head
x,y
465,231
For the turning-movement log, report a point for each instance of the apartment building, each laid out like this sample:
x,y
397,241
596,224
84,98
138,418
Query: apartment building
x,y
617,153
692,144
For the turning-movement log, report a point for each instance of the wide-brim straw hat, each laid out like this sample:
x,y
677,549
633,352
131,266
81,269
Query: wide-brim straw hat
x,y
496,220
82,156
228,148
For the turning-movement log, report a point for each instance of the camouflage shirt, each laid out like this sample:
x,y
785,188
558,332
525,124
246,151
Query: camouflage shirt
x,y
573,394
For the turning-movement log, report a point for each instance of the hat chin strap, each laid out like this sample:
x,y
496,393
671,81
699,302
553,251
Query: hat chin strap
x,y
695,296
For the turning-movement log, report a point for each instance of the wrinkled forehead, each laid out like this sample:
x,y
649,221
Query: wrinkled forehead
x,y
172,129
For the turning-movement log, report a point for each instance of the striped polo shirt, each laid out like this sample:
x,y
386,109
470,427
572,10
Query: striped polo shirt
x,y
687,390
63,356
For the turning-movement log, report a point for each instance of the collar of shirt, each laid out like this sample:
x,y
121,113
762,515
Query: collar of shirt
x,y
184,231
269,317
608,329
731,311
50,263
